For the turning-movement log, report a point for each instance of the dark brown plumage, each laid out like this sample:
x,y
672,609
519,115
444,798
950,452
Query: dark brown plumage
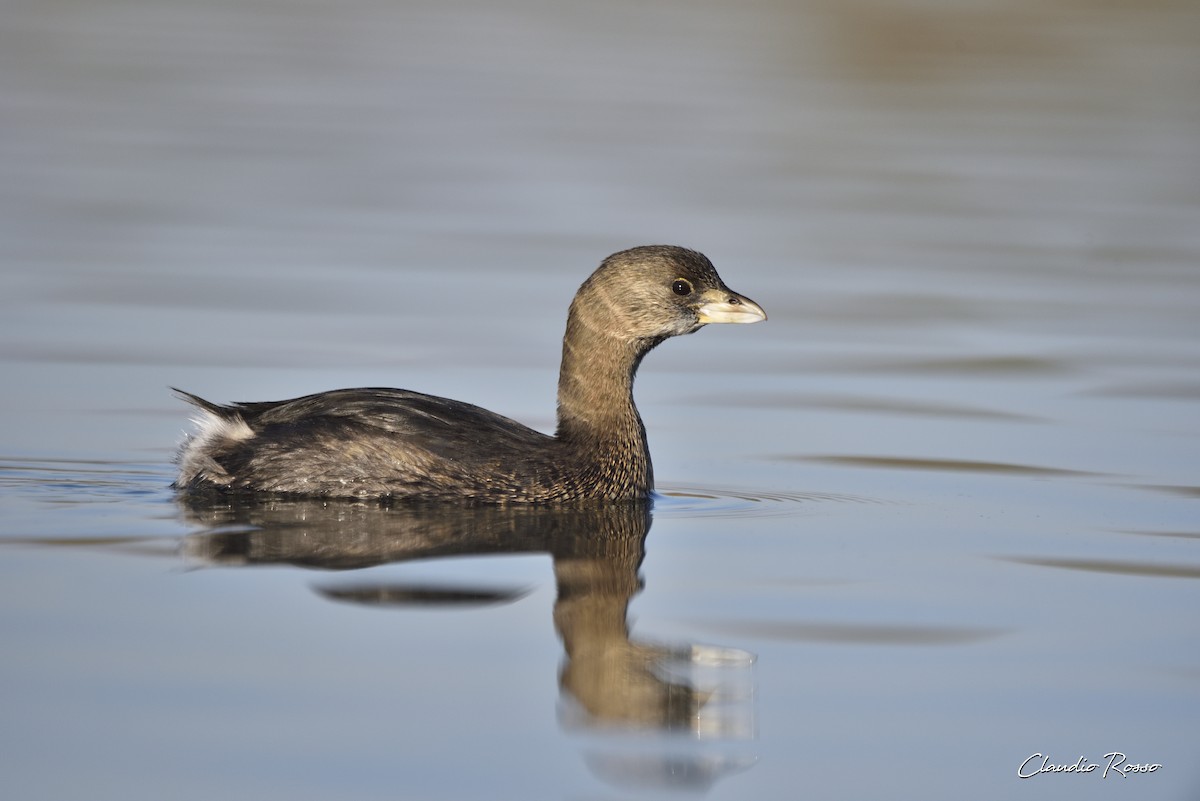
x,y
392,443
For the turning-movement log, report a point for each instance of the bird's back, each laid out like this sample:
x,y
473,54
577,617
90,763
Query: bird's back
x,y
370,442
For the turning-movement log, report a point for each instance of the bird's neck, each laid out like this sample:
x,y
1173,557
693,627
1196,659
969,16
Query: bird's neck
x,y
595,390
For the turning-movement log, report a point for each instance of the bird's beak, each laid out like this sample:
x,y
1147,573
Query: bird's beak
x,y
724,306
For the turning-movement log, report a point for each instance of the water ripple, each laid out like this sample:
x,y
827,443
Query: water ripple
x,y
68,481
1112,566
709,502
947,465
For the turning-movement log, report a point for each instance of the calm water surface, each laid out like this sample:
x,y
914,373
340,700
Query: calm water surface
x,y
937,516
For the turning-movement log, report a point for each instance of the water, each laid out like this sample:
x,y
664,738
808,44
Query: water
x,y
938,515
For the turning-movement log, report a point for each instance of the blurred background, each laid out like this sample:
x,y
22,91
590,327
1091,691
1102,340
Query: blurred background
x,y
962,449
331,168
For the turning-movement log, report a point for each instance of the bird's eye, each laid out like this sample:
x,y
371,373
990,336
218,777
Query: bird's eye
x,y
681,287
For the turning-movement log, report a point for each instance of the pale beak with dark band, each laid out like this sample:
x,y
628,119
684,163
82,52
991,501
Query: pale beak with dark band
x,y
723,306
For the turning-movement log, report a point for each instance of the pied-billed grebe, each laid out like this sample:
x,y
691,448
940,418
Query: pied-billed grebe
x,y
392,443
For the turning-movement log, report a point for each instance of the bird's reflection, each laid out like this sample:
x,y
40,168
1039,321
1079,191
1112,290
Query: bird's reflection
x,y
607,679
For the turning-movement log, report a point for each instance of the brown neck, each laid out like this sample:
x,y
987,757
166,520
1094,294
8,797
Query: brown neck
x,y
595,399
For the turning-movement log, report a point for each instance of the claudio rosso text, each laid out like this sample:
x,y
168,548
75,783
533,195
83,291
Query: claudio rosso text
x,y
1114,763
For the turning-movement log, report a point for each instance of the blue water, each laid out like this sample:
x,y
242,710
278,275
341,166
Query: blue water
x,y
936,516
